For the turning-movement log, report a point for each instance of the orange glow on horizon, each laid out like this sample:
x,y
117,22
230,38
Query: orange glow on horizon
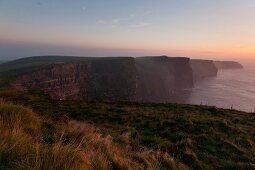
x,y
225,52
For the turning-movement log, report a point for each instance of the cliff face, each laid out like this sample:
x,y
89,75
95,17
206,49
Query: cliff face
x,y
60,81
158,77
113,80
228,65
202,69
119,79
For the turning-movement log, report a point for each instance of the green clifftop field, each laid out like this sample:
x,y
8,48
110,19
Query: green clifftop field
x,y
149,136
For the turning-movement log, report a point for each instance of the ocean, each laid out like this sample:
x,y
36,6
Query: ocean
x,y
233,88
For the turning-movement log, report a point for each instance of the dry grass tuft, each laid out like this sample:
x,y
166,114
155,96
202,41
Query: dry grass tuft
x,y
78,146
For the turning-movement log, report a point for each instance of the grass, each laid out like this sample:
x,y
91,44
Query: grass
x,y
200,137
38,62
75,145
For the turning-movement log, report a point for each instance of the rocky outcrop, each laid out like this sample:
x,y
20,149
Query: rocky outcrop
x,y
112,79
202,69
158,77
228,65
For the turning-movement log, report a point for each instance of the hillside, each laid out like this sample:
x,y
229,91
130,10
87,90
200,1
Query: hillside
x,y
29,141
13,69
200,137
35,61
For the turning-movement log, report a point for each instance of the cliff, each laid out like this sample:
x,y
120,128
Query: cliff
x,y
202,69
228,65
110,79
158,77
60,81
91,80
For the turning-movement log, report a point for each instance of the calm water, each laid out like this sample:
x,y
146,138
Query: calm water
x,y
231,88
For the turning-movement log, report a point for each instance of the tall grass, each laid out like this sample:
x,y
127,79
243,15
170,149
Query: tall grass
x,y
77,145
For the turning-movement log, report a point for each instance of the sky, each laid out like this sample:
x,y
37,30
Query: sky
x,y
211,29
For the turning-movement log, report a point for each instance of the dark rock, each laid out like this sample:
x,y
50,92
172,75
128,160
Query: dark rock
x,y
104,80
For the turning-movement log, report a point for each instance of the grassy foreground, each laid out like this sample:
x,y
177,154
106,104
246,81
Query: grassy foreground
x,y
30,142
142,136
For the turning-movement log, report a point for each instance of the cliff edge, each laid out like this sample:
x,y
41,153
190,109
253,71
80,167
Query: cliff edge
x,y
228,65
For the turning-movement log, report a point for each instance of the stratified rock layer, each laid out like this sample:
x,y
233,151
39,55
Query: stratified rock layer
x,y
116,79
99,80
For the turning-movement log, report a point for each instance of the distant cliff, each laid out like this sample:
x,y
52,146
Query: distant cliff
x,y
228,65
203,68
158,77
115,79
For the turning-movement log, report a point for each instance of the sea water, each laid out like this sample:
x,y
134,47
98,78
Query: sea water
x,y
234,88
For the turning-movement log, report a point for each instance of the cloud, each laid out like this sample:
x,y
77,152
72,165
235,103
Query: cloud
x,y
140,25
132,21
116,21
114,26
113,23
103,22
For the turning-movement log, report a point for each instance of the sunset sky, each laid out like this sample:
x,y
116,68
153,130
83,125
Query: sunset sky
x,y
194,28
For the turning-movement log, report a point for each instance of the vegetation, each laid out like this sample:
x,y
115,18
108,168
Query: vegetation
x,y
31,142
31,63
200,137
